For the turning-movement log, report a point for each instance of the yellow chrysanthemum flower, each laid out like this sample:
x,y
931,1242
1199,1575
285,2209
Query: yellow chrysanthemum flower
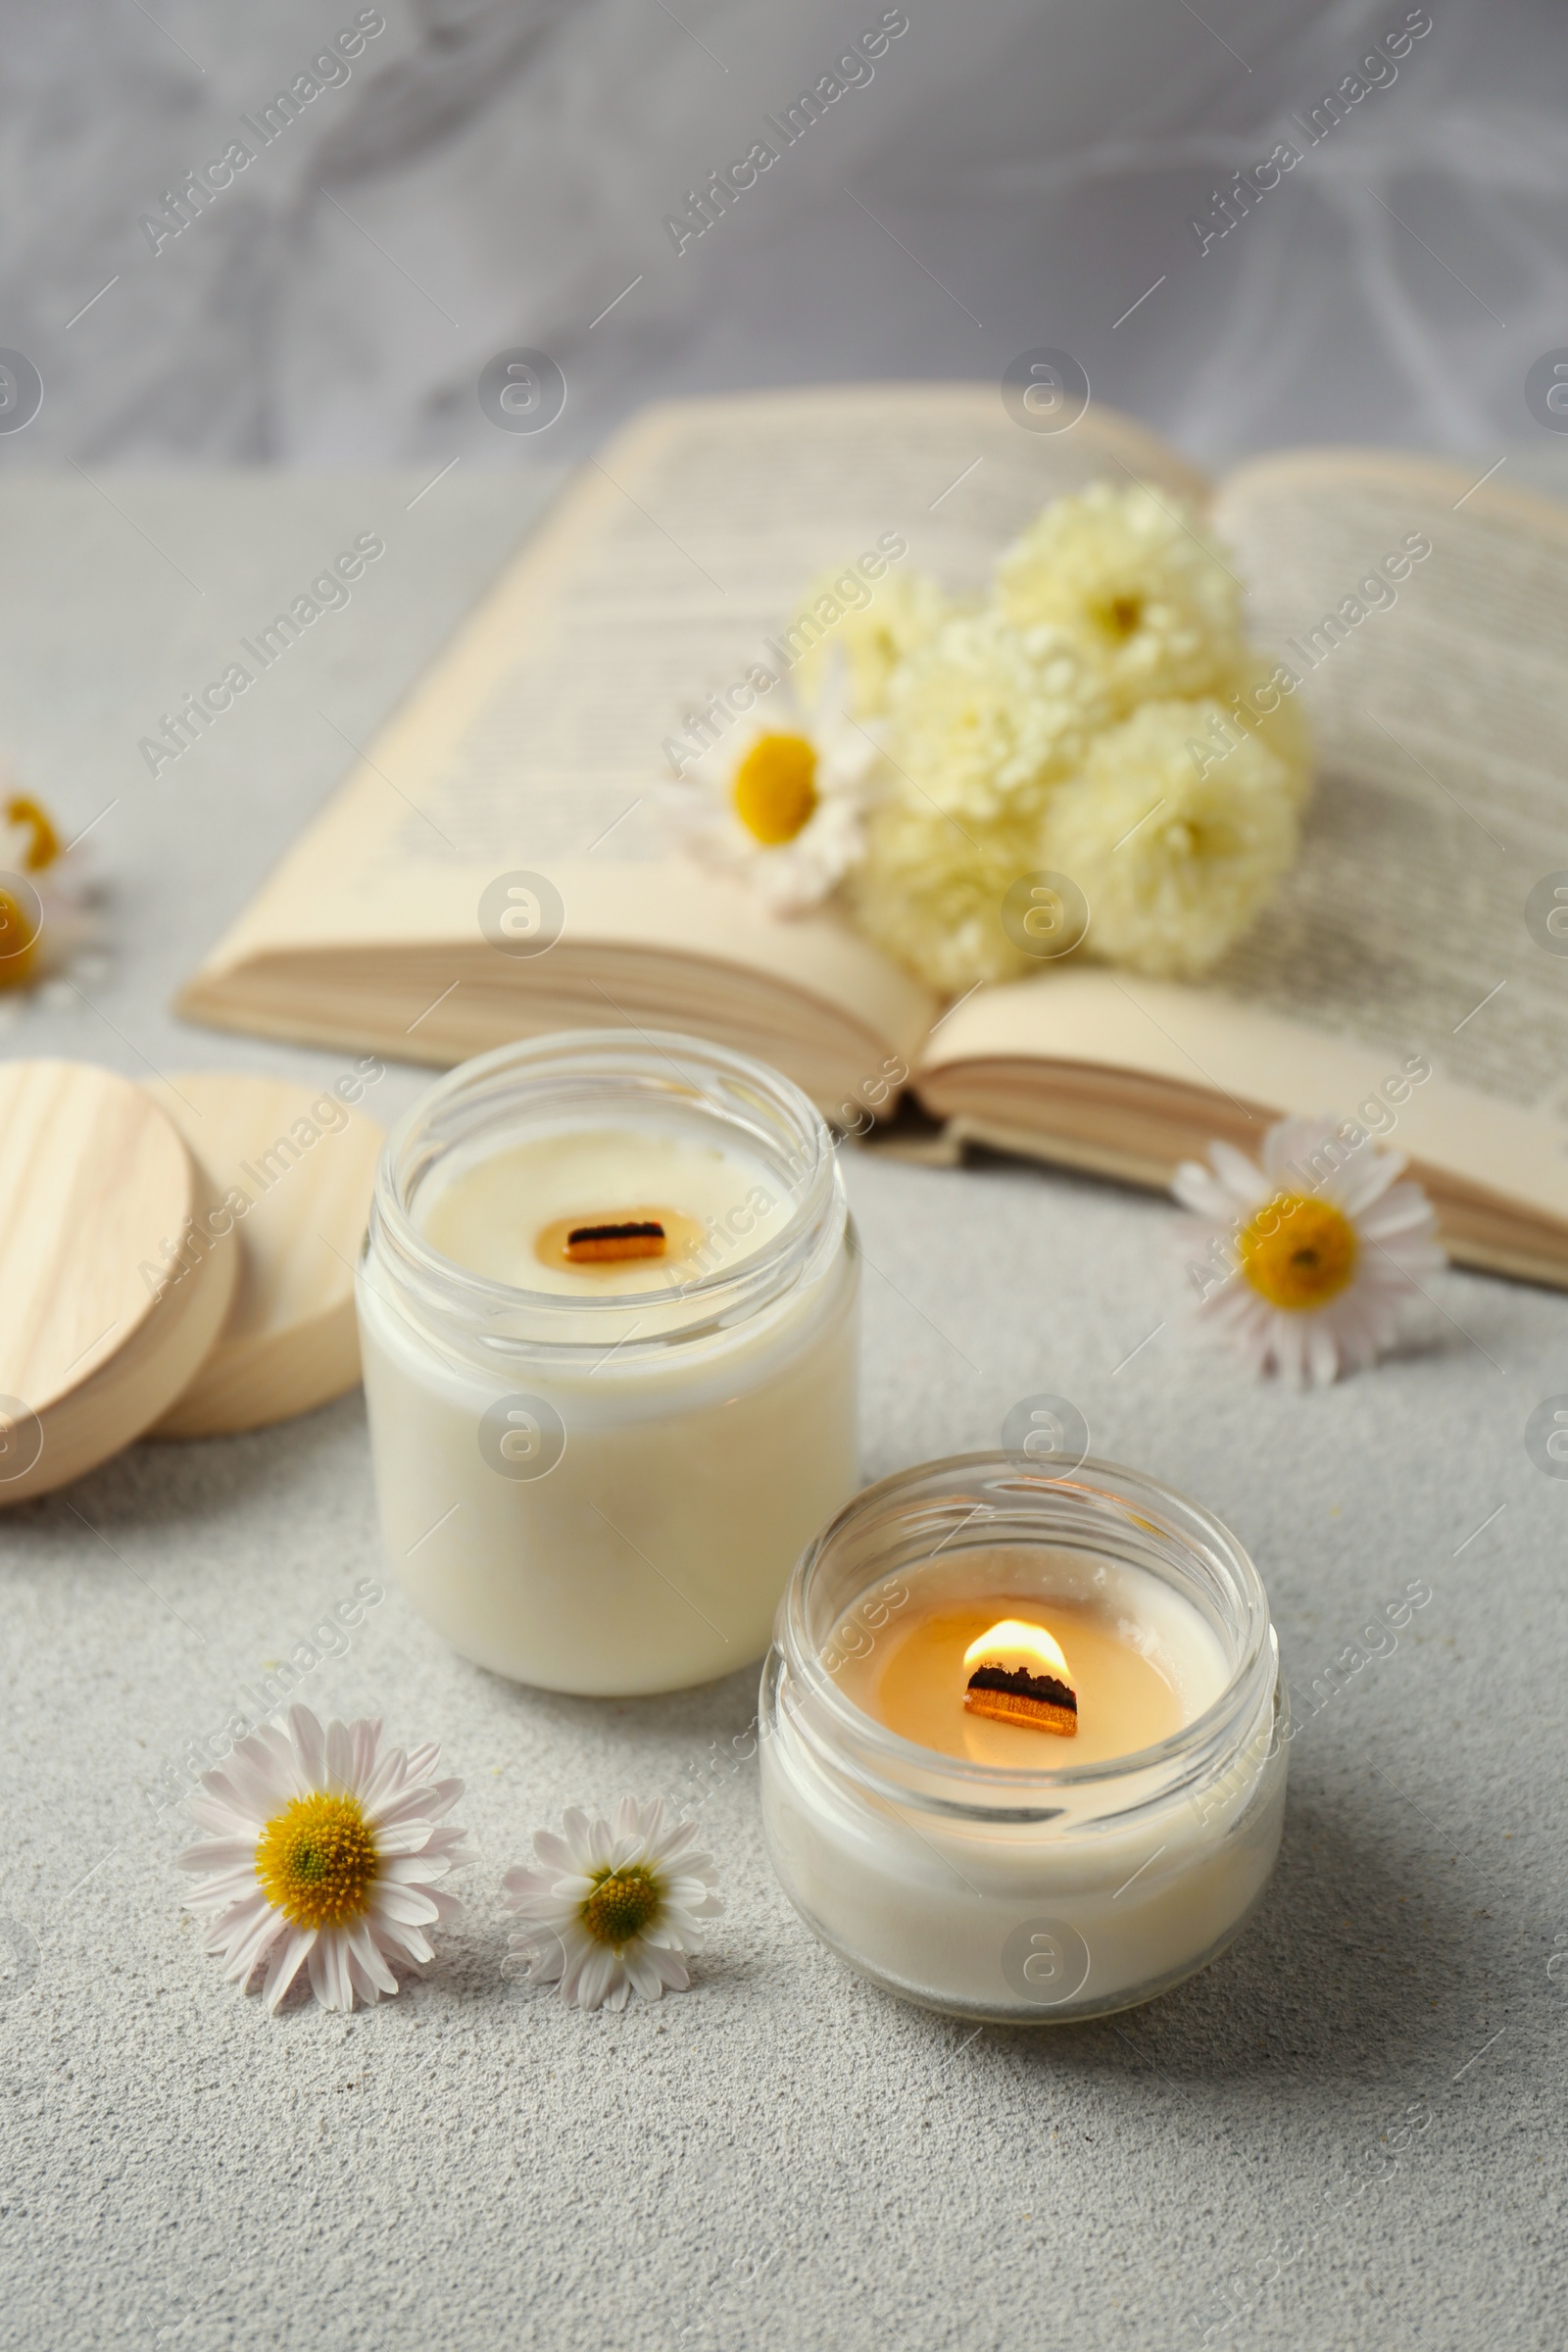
x,y
930,888
1176,851
983,720
902,614
1145,599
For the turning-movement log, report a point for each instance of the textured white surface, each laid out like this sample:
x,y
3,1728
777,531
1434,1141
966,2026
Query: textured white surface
x,y
1017,173
781,2157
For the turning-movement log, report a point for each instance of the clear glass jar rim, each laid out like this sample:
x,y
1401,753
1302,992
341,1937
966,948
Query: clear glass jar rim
x,y
1121,1485
598,1052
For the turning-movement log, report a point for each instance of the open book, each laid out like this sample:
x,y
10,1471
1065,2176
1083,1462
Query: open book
x,y
1397,968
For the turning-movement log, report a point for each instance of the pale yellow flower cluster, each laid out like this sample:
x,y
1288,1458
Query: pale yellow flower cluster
x,y
1148,604
1101,717
874,638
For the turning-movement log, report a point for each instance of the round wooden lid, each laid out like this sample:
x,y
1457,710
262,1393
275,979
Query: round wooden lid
x,y
114,1286
294,1172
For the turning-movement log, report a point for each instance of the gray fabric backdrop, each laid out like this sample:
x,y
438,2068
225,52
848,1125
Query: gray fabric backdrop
x,y
1016,172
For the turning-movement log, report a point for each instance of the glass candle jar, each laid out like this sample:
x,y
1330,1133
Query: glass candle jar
x,y
1039,1889
596,1476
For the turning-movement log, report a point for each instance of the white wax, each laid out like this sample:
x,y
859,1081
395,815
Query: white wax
x,y
652,1553
485,1215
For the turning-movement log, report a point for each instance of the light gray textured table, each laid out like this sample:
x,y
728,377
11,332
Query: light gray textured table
x,y
782,2156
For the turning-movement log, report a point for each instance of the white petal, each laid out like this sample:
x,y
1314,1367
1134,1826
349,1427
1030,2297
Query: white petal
x,y
339,1942
671,1838
1365,1180
277,1743
700,1911
546,1960
310,1740
284,1966
1404,1209
248,1784
392,1935
693,1889
524,1884
671,1967
575,1963
451,1839
642,1972
1322,1355
602,1971
411,1870
236,1885
225,1819
1245,1183
1287,1346
363,1944
246,1948
1198,1190
543,1906
367,1738
217,1853
404,1837
1293,1139
229,1931
323,1975
339,1758
578,1832
414,1801
385,1779
410,1905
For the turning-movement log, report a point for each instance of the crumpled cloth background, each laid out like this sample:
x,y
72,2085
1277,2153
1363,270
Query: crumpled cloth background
x,y
491,174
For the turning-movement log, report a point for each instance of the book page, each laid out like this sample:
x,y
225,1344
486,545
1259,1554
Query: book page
x,y
1007,1061
1441,719
536,743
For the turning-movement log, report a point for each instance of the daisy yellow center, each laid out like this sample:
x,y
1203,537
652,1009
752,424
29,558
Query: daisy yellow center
x,y
43,847
18,941
316,1861
774,790
1297,1252
622,1905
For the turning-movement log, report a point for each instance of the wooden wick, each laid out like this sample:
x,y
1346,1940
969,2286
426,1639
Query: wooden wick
x,y
595,1245
1013,1694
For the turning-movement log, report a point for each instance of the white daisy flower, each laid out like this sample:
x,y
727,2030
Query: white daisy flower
x,y
780,800
326,1853
1311,1254
615,1906
46,894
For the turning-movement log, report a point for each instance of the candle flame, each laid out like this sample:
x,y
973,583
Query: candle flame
x,y
1018,1675
1012,1643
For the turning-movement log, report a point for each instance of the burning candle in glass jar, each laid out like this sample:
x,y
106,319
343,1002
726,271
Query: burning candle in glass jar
x,y
1023,1753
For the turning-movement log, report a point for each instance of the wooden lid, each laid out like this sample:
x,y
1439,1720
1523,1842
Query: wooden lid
x,y
294,1171
114,1288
